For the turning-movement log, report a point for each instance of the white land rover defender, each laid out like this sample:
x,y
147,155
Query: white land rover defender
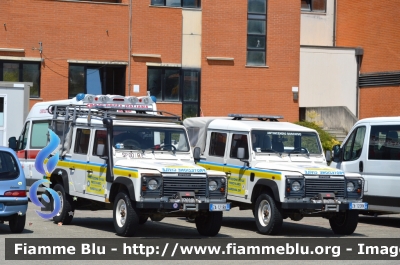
x,y
278,170
120,153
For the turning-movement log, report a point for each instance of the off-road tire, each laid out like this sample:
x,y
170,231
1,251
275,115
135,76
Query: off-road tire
x,y
345,223
268,217
67,211
209,224
125,216
17,223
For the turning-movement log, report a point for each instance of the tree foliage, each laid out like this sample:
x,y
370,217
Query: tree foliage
x,y
327,140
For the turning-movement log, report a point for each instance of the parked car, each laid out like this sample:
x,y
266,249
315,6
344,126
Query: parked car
x,y
13,197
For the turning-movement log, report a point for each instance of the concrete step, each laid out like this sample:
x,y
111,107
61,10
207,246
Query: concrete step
x,y
338,133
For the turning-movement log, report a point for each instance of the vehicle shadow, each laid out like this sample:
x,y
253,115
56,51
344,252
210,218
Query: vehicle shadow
x,y
147,230
381,221
5,230
289,228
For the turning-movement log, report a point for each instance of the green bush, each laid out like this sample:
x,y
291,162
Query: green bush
x,y
327,140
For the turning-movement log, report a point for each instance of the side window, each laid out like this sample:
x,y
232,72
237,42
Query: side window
x,y
39,134
23,139
217,144
239,140
99,146
82,141
384,143
353,147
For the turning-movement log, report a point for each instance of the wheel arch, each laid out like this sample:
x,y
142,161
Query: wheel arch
x,y
122,183
265,185
59,176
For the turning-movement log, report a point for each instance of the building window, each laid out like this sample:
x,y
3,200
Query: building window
x,y
313,6
12,71
177,3
170,84
256,32
96,79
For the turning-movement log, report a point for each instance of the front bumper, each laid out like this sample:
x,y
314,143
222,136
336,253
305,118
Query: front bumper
x,y
178,206
314,206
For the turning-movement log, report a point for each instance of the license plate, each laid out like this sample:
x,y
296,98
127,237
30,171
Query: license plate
x,y
1,207
358,206
219,207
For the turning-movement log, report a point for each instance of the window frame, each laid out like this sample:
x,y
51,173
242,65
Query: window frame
x,y
21,74
310,8
182,4
257,17
103,70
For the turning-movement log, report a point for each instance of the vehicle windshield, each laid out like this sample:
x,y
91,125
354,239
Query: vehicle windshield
x,y
285,142
150,138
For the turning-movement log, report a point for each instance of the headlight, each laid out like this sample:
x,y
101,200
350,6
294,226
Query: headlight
x,y
153,184
212,185
350,186
296,186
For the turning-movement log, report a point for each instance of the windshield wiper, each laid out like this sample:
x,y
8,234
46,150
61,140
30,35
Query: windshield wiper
x,y
299,151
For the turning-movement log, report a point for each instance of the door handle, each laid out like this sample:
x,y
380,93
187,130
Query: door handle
x,y
361,166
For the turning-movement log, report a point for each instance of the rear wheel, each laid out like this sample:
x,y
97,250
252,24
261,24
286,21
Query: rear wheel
x,y
209,224
268,217
17,223
66,213
125,218
345,223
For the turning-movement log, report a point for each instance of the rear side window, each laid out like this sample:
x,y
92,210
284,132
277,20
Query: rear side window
x,y
217,144
384,143
8,166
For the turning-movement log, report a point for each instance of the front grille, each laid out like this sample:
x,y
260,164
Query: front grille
x,y
315,186
172,185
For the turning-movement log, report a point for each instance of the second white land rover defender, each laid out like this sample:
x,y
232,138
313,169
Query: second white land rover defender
x,y
278,170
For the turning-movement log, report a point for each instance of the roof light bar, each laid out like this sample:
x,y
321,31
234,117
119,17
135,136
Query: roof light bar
x,y
118,102
260,117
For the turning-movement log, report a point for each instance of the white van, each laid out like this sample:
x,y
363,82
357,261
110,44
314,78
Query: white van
x,y
372,149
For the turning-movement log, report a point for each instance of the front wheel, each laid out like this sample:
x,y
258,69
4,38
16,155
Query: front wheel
x,y
268,217
345,223
126,219
17,223
209,224
66,212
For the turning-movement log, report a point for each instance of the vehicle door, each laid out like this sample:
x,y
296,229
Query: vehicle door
x,y
352,149
381,169
215,151
238,171
34,138
97,167
78,159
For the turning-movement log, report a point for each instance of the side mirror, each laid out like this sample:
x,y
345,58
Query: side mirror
x,y
328,156
240,153
196,154
336,152
12,143
100,150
